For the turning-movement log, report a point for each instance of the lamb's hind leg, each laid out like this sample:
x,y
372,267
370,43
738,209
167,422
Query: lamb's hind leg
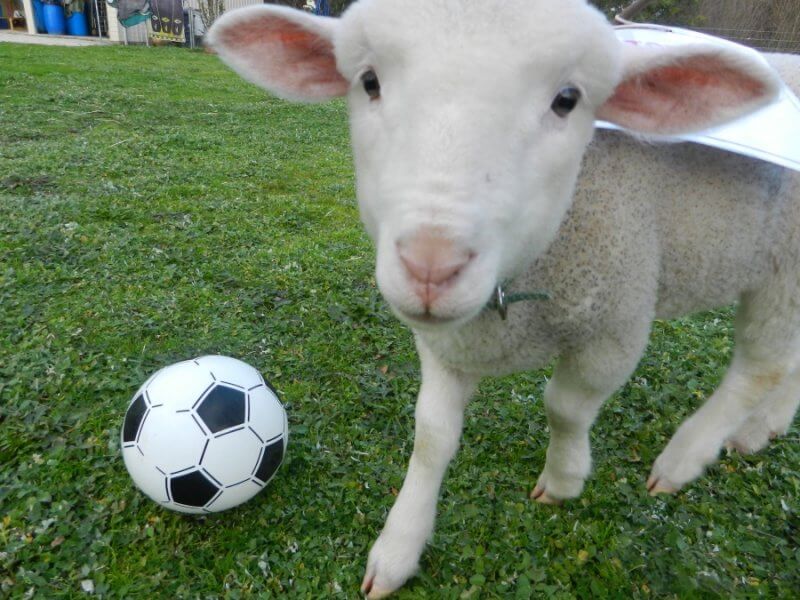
x,y
766,357
772,418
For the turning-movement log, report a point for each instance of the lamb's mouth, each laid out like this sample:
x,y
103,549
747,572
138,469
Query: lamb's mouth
x,y
429,320
498,302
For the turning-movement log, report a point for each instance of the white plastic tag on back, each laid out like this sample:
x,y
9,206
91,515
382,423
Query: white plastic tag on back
x,y
771,133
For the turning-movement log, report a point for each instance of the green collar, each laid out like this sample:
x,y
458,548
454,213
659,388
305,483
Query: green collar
x,y
500,300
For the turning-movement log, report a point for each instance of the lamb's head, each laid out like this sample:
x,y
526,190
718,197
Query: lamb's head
x,y
469,120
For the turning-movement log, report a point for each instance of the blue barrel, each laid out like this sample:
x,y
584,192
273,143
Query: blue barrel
x,y
54,20
77,24
38,16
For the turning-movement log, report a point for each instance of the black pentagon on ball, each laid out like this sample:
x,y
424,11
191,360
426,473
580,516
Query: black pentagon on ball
x,y
192,489
270,461
222,408
133,419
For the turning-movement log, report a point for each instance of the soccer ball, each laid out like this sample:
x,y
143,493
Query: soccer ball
x,y
204,435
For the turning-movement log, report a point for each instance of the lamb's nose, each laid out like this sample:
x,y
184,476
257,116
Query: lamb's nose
x,y
433,262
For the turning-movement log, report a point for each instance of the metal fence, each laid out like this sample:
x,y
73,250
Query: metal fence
x,y
766,41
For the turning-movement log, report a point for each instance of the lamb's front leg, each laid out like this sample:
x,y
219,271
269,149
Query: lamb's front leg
x,y
439,417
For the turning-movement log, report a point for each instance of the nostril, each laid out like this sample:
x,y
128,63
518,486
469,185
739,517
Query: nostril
x,y
433,259
433,273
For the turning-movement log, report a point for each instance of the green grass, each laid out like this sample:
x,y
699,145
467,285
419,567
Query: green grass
x,y
153,207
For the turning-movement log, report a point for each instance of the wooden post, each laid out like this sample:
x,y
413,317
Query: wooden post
x,y
30,19
113,24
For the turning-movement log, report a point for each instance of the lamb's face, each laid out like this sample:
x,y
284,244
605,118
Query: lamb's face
x,y
468,127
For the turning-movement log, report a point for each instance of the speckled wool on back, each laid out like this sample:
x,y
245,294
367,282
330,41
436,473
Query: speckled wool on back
x,y
478,165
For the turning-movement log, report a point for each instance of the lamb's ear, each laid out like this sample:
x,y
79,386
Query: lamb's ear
x,y
286,51
674,90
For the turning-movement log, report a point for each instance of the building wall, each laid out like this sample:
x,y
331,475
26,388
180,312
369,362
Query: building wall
x,y
138,33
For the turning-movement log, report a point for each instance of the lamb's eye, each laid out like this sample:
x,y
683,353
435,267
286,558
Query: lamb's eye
x,y
566,101
371,84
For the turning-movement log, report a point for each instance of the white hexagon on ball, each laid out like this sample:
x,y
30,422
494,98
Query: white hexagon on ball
x,y
231,370
180,385
147,477
232,458
204,435
267,416
171,440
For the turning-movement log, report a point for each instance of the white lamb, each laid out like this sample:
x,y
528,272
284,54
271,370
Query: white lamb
x,y
478,165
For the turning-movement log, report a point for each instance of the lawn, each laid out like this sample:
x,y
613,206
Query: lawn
x,y
153,207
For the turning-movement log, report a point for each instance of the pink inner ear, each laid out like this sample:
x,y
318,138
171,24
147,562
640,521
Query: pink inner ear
x,y
312,54
285,57
687,95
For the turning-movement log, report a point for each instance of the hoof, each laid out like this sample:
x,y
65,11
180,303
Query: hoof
x,y
751,444
741,448
540,495
392,561
656,485
371,591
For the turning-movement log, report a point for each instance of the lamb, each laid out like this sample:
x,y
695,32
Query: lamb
x,y
478,166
